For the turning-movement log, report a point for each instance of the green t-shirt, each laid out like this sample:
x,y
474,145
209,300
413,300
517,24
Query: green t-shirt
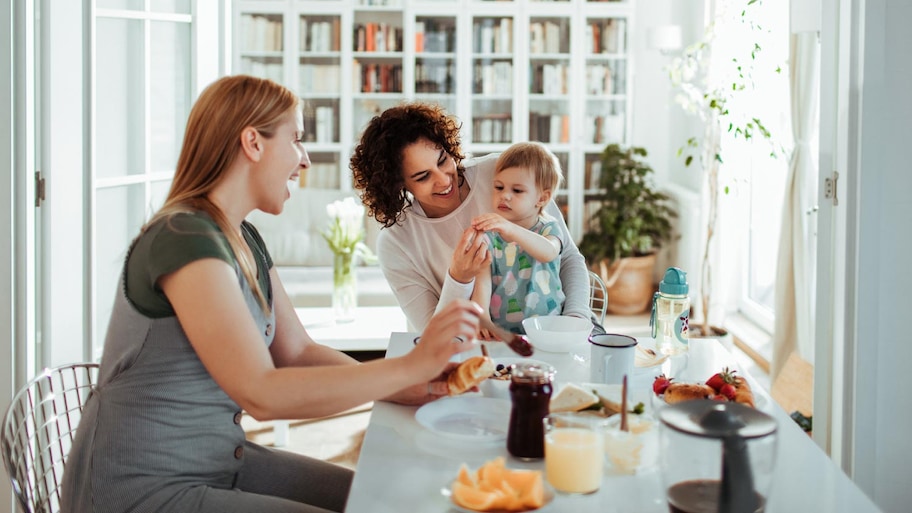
x,y
176,241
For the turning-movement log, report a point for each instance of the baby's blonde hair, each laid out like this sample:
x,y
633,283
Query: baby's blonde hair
x,y
536,158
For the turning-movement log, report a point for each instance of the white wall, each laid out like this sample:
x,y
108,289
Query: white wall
x,y
660,125
883,411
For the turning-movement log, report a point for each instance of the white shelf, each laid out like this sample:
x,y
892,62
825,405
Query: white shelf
x,y
454,28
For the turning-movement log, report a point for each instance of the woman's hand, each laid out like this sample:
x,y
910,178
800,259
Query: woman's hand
x,y
422,393
470,256
447,334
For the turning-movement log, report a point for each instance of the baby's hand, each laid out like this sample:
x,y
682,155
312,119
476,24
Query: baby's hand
x,y
492,223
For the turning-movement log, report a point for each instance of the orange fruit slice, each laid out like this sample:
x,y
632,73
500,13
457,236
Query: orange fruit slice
x,y
533,497
473,498
464,477
495,487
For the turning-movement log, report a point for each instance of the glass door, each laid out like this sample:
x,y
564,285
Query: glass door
x,y
146,67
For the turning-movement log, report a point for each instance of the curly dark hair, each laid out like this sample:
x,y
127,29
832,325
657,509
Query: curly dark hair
x,y
376,162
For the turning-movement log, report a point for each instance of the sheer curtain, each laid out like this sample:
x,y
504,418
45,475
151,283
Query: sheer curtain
x,y
794,329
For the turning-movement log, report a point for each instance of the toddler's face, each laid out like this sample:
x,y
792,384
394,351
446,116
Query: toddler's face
x,y
516,197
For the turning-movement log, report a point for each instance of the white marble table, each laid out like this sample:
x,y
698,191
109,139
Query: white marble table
x,y
403,466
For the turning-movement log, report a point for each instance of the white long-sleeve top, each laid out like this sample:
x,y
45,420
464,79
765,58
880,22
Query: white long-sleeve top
x,y
415,256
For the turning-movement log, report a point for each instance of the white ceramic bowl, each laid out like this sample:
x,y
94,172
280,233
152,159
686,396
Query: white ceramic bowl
x,y
557,333
500,388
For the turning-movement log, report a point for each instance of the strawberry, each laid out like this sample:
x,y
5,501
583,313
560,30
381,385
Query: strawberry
x,y
728,390
660,384
721,378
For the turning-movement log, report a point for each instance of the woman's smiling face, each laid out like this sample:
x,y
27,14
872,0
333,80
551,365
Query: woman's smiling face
x,y
430,176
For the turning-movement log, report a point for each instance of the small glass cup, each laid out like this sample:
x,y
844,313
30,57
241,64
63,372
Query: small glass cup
x,y
574,444
635,450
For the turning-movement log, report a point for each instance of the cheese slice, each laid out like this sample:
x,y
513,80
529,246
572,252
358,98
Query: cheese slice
x,y
573,398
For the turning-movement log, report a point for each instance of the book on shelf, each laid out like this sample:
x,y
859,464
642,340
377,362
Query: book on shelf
x,y
608,36
319,78
492,35
419,36
320,175
325,124
262,33
263,69
553,37
377,37
319,35
493,128
549,128
494,78
598,79
379,78
593,174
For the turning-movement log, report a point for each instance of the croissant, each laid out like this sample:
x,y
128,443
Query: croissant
x,y
743,393
469,374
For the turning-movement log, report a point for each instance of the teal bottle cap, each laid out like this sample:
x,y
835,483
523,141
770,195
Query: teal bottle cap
x,y
674,282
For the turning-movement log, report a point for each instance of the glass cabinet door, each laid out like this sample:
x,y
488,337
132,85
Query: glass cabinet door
x,y
377,43
261,43
319,76
492,80
549,64
435,60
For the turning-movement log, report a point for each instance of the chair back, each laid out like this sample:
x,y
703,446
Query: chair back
x,y
38,431
598,297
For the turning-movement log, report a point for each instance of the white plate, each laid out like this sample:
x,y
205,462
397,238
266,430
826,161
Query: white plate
x,y
467,417
760,402
447,492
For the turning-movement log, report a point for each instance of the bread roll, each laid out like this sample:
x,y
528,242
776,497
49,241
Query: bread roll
x,y
677,392
469,374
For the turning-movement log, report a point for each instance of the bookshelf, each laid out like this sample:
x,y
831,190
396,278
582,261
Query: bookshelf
x,y
553,71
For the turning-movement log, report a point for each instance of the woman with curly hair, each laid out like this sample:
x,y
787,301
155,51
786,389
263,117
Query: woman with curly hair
x,y
417,183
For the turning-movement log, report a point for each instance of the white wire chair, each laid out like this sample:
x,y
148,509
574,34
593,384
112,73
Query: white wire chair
x,y
598,297
38,431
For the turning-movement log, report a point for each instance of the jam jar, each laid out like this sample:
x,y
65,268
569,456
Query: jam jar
x,y
530,393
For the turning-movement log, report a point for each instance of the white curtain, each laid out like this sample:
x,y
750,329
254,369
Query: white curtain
x,y
795,284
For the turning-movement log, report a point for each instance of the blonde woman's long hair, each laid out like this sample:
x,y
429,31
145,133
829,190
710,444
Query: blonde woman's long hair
x,y
212,141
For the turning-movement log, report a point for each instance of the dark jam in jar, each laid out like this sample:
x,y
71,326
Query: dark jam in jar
x,y
530,392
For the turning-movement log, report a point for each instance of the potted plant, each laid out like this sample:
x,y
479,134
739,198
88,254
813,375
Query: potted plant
x,y
631,223
716,95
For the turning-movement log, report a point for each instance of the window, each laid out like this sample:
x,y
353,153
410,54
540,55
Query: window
x,y
758,181
145,68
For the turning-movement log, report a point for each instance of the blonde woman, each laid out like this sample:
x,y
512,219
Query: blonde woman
x,y
202,330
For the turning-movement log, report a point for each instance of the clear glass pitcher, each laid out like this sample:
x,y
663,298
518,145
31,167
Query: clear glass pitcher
x,y
716,457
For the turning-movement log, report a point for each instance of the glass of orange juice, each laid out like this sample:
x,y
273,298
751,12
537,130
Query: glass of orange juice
x,y
574,445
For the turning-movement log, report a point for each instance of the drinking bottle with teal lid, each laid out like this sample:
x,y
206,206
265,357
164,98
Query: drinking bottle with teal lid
x,y
671,313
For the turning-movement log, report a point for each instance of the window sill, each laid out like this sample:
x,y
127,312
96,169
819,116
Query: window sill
x,y
752,339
